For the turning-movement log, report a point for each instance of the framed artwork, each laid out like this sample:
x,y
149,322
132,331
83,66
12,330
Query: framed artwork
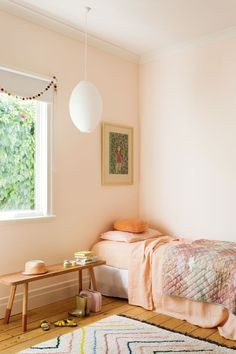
x,y
117,154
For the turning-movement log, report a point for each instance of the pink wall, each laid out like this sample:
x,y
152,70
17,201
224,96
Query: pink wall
x,y
188,144
83,207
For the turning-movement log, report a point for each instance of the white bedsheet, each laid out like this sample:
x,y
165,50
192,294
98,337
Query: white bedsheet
x,y
112,281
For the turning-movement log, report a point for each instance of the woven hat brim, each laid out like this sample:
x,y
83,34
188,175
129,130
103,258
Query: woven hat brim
x,y
24,273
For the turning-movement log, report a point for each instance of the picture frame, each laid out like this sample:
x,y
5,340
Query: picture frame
x,y
117,154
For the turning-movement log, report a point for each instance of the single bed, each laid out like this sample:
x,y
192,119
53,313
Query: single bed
x,y
123,270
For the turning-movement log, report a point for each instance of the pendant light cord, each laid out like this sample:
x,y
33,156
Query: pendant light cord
x,y
87,9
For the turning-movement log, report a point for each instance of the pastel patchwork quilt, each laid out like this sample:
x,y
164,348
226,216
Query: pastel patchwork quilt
x,y
203,270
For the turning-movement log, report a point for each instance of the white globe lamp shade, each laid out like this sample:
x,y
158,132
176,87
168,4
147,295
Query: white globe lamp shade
x,y
85,106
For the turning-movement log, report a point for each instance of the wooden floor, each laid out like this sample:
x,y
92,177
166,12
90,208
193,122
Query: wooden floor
x,y
13,340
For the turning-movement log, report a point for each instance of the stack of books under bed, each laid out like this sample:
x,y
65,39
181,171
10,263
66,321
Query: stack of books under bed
x,y
85,257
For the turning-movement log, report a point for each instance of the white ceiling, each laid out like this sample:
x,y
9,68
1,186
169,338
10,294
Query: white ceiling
x,y
141,26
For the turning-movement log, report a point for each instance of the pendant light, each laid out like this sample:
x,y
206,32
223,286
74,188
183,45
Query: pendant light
x,y
85,104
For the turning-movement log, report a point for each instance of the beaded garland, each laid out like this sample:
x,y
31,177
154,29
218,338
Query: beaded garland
x,y
51,83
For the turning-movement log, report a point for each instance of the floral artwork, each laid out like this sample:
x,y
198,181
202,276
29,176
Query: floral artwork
x,y
118,159
117,151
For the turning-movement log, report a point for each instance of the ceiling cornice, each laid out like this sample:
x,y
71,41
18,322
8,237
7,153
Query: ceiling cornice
x,y
53,24
203,41
56,25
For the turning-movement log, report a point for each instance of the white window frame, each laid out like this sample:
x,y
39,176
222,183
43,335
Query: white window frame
x,y
43,169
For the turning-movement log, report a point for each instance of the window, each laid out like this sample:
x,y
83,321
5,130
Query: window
x,y
25,171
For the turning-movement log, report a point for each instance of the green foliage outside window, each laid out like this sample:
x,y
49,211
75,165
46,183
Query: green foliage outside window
x,y
17,153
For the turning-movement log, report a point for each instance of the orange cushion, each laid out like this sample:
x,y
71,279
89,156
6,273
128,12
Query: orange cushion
x,y
131,225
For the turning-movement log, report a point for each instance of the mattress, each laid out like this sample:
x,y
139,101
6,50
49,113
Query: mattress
x,y
116,254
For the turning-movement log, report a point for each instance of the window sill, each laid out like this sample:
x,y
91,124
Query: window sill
x,y
36,218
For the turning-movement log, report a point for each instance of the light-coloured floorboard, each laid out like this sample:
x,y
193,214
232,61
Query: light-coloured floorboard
x,y
13,340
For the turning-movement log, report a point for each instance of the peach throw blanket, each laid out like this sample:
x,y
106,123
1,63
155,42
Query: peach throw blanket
x,y
140,271
145,289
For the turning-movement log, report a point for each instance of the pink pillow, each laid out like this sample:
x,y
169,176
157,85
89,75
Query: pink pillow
x,y
122,236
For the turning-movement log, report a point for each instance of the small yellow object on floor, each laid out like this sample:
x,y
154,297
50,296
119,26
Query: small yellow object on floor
x,y
45,325
65,323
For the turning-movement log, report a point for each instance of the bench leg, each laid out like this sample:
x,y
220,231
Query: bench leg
x,y
80,281
24,309
93,280
9,304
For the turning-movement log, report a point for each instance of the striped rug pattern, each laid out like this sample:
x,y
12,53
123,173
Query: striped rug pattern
x,y
121,335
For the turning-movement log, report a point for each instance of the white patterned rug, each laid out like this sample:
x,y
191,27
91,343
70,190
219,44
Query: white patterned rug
x,y
121,335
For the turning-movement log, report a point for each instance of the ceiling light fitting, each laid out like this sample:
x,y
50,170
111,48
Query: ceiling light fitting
x,y
85,101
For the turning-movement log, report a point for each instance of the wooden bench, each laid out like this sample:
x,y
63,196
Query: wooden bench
x,y
15,279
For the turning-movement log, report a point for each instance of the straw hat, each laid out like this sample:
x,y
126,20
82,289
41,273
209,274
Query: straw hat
x,y
34,267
